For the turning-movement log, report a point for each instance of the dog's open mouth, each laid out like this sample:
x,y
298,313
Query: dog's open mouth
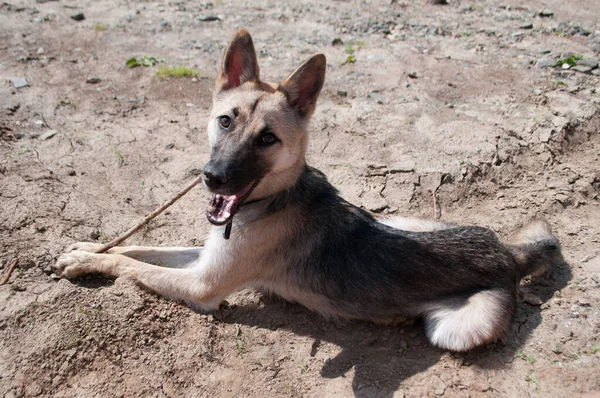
x,y
222,208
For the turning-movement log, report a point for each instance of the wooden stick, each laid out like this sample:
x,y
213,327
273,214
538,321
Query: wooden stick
x,y
12,267
437,211
149,217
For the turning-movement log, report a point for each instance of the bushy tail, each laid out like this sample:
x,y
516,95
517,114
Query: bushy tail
x,y
535,249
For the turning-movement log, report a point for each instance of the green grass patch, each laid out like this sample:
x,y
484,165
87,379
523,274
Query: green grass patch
x,y
596,349
119,155
526,357
349,60
349,49
100,27
535,381
559,83
144,60
175,71
570,60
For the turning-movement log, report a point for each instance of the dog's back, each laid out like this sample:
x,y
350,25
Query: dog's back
x,y
343,262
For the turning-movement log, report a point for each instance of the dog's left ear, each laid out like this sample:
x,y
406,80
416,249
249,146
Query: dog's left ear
x,y
304,85
239,62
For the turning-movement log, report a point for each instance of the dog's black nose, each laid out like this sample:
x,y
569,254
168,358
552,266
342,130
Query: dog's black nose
x,y
213,178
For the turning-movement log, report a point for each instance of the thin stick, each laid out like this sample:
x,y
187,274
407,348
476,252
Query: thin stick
x,y
12,267
149,217
437,211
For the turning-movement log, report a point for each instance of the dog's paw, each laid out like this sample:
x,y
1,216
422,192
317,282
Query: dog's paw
x,y
85,246
76,263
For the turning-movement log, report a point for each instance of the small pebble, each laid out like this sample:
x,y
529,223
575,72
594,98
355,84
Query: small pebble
x,y
557,349
584,302
532,299
48,134
93,80
545,62
377,97
592,63
20,82
210,18
12,108
582,68
78,17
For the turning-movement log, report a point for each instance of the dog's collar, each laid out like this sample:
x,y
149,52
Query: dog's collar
x,y
250,202
227,230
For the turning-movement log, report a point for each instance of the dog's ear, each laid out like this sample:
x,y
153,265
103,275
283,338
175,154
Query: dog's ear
x,y
239,62
304,85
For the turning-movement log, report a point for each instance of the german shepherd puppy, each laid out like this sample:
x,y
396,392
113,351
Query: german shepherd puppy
x,y
293,235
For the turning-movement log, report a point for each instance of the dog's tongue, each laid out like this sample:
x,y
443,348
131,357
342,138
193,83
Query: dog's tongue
x,y
222,208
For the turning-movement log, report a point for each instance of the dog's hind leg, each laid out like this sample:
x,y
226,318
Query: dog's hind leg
x,y
415,224
202,288
462,323
172,257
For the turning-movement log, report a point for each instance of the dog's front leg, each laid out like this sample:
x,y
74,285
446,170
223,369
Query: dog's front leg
x,y
174,257
188,285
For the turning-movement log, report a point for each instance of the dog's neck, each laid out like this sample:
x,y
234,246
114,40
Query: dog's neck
x,y
307,186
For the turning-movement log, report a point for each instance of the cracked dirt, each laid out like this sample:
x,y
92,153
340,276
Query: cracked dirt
x,y
454,111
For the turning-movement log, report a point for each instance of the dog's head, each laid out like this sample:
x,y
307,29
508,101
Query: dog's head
x,y
257,129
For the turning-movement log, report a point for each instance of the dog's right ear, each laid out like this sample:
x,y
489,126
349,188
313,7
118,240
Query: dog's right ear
x,y
239,63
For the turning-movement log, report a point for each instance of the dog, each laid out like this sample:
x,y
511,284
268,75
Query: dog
x,y
293,235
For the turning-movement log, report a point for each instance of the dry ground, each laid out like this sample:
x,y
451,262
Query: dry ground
x,y
443,99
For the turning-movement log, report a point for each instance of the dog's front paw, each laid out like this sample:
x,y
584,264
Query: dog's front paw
x,y
85,246
76,263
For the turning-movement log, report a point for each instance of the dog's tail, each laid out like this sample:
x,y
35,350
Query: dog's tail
x,y
535,249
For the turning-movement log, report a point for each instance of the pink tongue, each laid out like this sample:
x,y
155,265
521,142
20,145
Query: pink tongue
x,y
221,206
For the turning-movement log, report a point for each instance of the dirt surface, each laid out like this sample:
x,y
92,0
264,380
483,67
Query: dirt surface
x,y
450,102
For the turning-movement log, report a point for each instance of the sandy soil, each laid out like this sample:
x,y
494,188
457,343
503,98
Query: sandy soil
x,y
448,101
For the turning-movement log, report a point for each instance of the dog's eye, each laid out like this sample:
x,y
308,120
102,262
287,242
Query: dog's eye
x,y
268,139
224,122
